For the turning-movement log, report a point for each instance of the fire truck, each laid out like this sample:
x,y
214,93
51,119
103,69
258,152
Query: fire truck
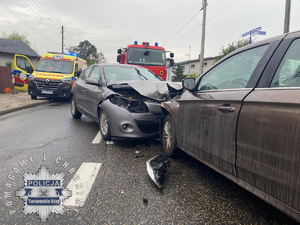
x,y
152,57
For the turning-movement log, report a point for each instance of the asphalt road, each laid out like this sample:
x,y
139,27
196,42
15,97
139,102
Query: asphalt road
x,y
122,192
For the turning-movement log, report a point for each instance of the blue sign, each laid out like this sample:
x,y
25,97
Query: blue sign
x,y
254,32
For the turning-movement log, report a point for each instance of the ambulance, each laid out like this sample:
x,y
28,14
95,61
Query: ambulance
x,y
53,76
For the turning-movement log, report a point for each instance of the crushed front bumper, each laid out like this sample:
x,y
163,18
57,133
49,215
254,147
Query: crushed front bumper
x,y
124,124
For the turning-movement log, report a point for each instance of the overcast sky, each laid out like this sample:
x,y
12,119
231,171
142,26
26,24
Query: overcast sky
x,y
111,24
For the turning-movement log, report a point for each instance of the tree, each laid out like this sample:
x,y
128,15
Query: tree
x,y
179,73
232,47
88,51
16,36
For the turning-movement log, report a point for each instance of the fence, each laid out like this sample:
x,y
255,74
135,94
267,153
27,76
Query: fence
x,y
5,78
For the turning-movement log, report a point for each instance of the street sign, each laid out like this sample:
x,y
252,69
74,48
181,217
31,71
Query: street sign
x,y
253,32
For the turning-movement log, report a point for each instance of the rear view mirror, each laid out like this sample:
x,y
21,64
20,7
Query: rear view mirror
x,y
119,51
29,69
188,83
77,73
172,62
119,58
92,81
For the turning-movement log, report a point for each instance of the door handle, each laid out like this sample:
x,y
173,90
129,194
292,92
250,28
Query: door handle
x,y
226,109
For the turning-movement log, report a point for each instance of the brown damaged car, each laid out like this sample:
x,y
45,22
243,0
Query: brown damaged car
x,y
242,118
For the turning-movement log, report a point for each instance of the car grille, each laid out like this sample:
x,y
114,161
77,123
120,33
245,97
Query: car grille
x,y
52,85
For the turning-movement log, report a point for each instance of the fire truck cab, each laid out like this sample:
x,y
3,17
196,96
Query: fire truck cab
x,y
152,57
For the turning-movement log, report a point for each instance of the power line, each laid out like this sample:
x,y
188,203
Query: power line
x,y
19,18
46,12
183,26
37,12
198,26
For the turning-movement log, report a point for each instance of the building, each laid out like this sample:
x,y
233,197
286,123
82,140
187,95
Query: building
x,y
192,66
8,49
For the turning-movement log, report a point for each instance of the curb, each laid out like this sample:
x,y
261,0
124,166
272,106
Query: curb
x,y
5,111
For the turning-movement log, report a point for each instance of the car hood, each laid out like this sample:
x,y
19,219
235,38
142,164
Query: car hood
x,y
157,90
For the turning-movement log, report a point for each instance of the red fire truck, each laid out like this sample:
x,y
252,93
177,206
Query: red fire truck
x,y
145,55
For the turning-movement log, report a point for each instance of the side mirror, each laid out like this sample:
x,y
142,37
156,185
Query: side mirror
x,y
172,62
119,58
172,55
29,69
188,83
119,51
77,73
92,81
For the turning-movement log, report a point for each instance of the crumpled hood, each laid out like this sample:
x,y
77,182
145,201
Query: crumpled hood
x,y
158,90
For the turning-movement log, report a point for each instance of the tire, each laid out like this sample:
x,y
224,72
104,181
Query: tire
x,y
104,126
74,111
33,97
169,139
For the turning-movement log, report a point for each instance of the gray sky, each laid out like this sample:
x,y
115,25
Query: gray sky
x,y
111,24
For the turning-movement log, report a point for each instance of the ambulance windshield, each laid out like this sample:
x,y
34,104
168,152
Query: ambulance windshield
x,y
55,66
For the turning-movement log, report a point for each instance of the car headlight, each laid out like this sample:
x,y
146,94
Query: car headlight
x,y
66,80
132,105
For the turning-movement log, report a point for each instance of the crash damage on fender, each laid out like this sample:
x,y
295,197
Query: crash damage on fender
x,y
136,105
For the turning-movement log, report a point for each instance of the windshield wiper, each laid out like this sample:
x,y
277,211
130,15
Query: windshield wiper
x,y
140,74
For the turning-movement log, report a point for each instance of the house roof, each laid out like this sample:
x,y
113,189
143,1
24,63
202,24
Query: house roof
x,y
16,47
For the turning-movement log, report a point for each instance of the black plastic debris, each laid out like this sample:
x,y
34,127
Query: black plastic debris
x,y
145,200
157,169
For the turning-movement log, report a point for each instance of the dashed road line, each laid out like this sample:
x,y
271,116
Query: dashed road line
x,y
82,183
98,138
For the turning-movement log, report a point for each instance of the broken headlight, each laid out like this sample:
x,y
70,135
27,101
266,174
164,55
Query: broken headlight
x,y
132,105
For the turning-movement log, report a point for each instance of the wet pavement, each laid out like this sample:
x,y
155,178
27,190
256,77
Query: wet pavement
x,y
14,102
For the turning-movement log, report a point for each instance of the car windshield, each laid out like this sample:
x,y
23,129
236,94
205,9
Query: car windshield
x,y
55,66
149,57
120,73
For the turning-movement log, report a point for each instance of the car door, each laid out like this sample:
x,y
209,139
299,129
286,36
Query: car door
x,y
207,116
80,88
268,137
21,76
93,93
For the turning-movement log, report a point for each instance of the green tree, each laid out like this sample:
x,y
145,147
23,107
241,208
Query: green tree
x,y
88,51
16,36
232,47
179,73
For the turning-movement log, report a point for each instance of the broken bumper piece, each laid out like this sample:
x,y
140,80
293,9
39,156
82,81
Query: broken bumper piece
x,y
157,169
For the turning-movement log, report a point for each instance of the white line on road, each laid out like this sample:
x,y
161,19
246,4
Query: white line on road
x,y
97,139
82,183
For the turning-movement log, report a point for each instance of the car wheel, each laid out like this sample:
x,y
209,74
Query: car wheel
x,y
74,111
169,139
104,126
33,97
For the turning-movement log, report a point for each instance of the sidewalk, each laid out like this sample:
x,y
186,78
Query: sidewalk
x,y
14,102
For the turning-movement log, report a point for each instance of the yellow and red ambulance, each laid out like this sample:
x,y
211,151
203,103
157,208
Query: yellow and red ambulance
x,y
53,76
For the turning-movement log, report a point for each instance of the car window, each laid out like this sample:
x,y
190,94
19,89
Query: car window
x,y
288,72
234,72
86,73
95,74
22,63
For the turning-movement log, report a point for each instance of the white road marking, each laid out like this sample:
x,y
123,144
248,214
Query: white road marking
x,y
82,183
97,139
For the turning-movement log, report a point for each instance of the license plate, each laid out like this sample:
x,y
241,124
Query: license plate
x,y
47,92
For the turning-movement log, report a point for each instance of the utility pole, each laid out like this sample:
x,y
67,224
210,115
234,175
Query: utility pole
x,y
62,39
286,28
204,4
189,60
